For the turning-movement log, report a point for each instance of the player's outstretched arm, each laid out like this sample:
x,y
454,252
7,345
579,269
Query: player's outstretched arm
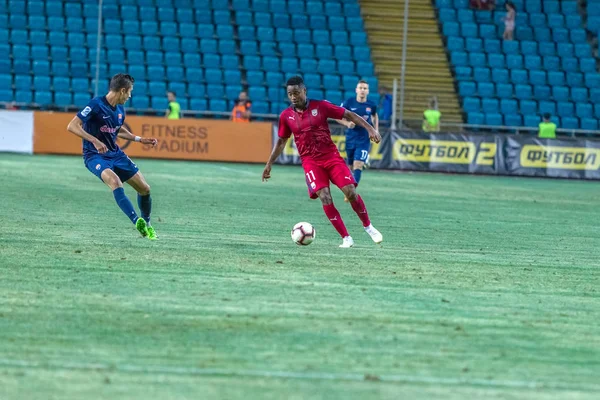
x,y
347,124
373,134
125,134
76,127
277,150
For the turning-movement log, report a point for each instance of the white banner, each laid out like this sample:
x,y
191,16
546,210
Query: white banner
x,y
16,131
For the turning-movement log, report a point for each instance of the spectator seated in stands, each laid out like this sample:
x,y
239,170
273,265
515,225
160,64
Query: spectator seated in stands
x,y
483,4
242,110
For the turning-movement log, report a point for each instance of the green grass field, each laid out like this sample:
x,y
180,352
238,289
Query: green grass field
x,y
485,287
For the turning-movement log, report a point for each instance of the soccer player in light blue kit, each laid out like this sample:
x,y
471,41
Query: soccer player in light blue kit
x,y
358,144
99,124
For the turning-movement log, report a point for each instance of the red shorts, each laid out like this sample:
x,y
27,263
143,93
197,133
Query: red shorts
x,y
318,173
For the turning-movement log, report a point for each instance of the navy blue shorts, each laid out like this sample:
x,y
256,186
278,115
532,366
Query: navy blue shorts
x,y
358,153
120,164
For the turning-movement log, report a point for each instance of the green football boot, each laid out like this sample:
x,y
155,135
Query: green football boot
x,y
152,233
142,227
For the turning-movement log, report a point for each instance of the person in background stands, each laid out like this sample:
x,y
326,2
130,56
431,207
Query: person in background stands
x,y
547,128
431,117
509,21
174,110
385,104
242,110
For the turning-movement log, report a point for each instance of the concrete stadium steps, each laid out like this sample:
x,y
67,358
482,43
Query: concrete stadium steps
x,y
427,69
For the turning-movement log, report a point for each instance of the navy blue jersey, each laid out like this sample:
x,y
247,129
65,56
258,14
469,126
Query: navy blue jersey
x,y
359,135
102,121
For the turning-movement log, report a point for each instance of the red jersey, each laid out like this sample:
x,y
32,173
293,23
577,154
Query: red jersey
x,y
311,129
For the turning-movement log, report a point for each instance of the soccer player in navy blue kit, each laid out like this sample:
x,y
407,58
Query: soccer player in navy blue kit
x,y
99,124
358,144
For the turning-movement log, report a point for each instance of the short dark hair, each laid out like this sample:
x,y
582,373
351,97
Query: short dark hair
x,y
121,81
547,116
295,80
172,92
363,81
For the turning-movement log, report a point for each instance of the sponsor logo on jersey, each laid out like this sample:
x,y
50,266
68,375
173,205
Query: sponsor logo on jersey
x,y
86,111
368,109
108,129
314,112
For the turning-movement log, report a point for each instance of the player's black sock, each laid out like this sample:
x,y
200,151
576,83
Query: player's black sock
x,y
145,204
125,204
357,175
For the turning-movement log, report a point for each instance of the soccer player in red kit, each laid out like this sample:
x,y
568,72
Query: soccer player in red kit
x,y
307,120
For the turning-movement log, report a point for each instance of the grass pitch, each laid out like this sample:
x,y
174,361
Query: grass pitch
x,y
485,287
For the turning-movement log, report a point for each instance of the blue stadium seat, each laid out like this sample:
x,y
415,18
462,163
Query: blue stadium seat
x,y
543,35
523,92
255,78
560,93
198,104
462,73
560,35
23,96
528,107
592,80
455,44
487,30
574,79
569,123
500,75
485,89
584,110
281,20
491,46
227,46
63,98
547,107
531,120
469,29
475,119
529,48
565,49
489,105
537,20
271,64
326,67
274,78
570,64
589,124
551,63
542,92
217,105
232,77
450,29
504,90
331,81
578,36
267,48
466,89
579,95
459,58
573,21
519,76
209,46
508,106
471,104
213,76
565,109
556,78
290,65
533,62
514,61
513,120
474,45
496,61
510,47
358,38
481,74
494,119
547,49
537,77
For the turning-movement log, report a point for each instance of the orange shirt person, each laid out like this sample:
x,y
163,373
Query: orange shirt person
x,y
242,111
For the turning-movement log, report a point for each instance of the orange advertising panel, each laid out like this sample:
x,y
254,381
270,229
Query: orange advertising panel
x,y
184,139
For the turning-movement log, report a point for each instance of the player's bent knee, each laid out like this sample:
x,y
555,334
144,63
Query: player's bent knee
x,y
144,190
325,196
349,192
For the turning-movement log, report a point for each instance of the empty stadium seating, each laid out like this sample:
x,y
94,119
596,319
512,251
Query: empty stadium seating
x,y
549,67
207,51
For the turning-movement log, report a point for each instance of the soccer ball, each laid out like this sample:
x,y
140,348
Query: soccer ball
x,y
303,233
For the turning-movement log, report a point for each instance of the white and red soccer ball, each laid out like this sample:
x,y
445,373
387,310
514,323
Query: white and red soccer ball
x,y
303,233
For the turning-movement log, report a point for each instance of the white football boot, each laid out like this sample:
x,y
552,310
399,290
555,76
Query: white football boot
x,y
347,242
374,233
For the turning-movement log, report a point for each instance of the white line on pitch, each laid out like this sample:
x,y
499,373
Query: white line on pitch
x,y
332,376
